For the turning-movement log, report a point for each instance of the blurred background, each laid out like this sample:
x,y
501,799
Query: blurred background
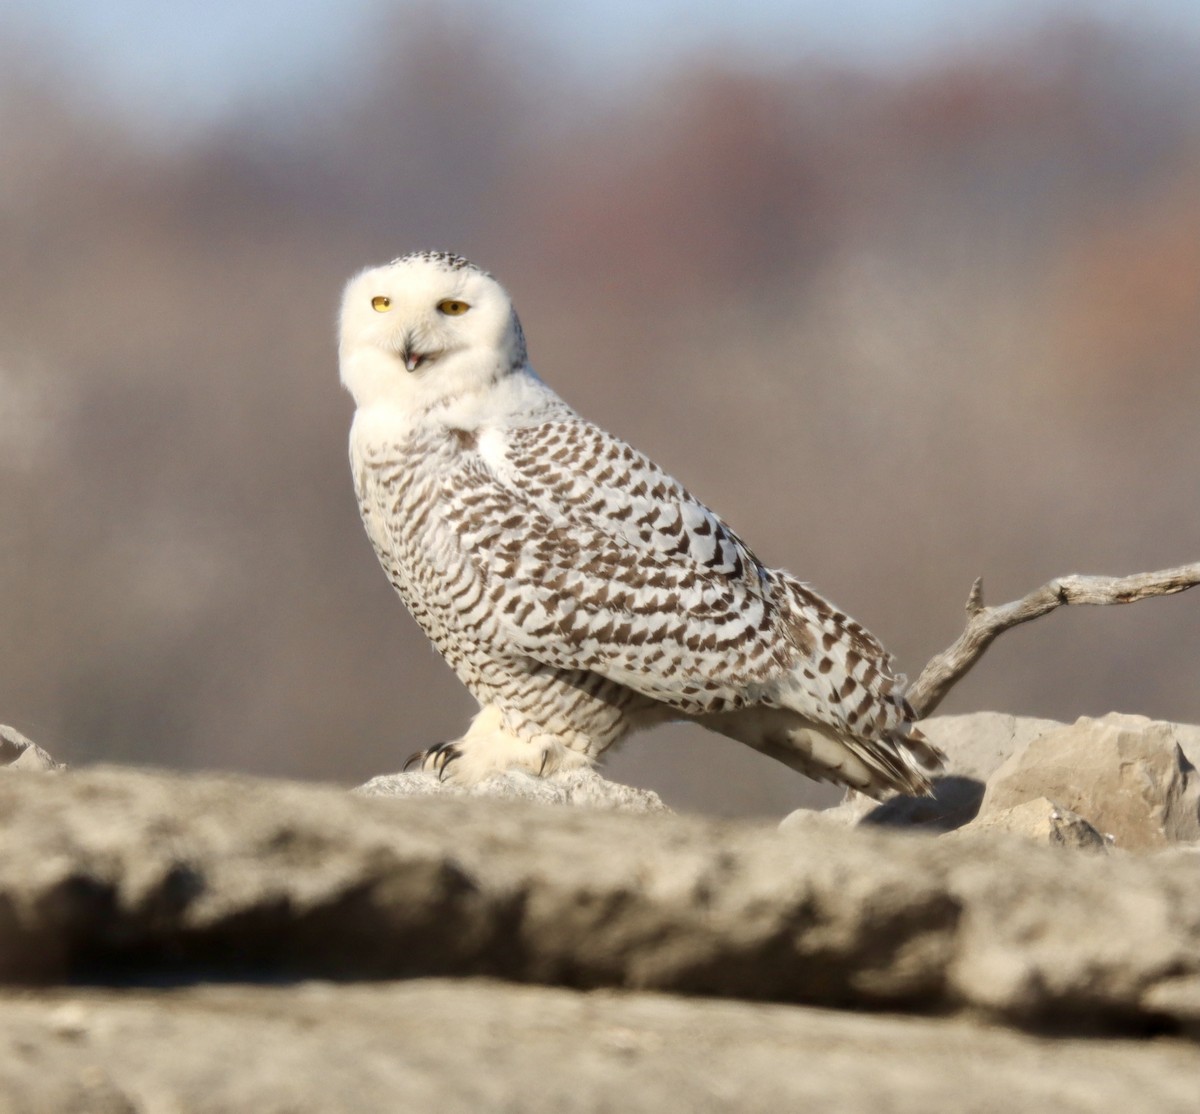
x,y
909,292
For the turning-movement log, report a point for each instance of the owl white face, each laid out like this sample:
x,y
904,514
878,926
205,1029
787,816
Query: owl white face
x,y
424,329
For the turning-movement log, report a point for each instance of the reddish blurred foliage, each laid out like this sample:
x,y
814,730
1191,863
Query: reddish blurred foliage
x,y
1127,305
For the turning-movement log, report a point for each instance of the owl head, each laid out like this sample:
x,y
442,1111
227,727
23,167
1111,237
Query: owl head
x,y
426,328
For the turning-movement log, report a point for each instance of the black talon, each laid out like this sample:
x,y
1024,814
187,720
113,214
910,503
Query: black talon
x,y
416,757
440,753
447,753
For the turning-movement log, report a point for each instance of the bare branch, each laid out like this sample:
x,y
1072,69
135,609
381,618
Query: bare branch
x,y
985,624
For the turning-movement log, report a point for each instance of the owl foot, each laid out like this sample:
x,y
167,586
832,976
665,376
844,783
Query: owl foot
x,y
489,747
434,759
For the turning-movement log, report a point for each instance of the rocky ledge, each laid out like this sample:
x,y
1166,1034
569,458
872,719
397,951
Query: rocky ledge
x,y
153,927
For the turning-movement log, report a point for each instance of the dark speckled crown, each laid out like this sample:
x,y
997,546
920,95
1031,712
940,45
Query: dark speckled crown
x,y
447,259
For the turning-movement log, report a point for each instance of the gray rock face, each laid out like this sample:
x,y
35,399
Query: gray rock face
x,y
584,787
19,753
1120,781
1127,774
978,745
468,1046
125,876
975,747
1040,820
135,873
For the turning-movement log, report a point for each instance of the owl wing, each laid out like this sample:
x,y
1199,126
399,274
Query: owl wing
x,y
595,559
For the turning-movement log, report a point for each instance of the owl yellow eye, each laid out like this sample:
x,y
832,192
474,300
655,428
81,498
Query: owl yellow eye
x,y
452,307
381,303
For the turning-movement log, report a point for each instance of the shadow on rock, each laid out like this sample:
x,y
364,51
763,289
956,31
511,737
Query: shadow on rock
x,y
954,802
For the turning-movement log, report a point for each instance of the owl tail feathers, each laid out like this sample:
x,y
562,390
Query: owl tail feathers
x,y
899,762
906,758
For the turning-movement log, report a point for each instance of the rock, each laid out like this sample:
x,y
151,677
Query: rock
x,y
584,787
1178,999
1127,775
975,746
1124,776
464,1046
118,873
1182,850
1040,820
19,753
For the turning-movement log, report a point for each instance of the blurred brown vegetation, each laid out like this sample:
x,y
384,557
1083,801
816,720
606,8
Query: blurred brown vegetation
x,y
901,329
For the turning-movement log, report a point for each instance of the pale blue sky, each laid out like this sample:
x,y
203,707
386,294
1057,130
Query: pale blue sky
x,y
191,58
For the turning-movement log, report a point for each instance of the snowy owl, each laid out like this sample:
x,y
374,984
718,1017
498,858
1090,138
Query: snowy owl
x,y
580,592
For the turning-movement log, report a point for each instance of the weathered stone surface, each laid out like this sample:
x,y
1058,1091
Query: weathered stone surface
x,y
1124,776
1177,998
584,787
975,746
470,1046
1040,820
108,871
126,875
20,753
1127,775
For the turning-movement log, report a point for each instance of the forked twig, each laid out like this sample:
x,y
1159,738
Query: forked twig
x,y
985,624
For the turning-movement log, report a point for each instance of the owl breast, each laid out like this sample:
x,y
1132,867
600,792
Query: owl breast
x,y
423,532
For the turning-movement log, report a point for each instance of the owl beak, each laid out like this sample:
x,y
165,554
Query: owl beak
x,y
411,357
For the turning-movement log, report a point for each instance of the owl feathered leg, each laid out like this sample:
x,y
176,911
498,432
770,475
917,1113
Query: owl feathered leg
x,y
490,747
